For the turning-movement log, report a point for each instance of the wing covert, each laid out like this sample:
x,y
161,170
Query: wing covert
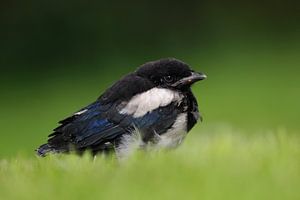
x,y
96,124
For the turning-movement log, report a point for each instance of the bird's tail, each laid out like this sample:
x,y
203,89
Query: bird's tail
x,y
43,150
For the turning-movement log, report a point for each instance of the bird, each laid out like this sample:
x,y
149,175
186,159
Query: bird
x,y
152,107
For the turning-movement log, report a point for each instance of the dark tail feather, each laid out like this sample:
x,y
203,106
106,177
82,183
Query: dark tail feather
x,y
43,150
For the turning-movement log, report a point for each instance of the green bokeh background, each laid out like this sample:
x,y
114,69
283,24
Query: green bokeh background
x,y
58,56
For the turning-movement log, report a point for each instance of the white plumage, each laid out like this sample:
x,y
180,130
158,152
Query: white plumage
x,y
150,100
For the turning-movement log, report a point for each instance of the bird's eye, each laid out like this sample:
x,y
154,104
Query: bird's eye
x,y
168,79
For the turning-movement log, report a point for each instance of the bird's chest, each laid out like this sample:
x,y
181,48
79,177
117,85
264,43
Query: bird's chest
x,y
170,139
175,134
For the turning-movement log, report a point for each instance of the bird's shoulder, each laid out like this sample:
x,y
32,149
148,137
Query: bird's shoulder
x,y
125,88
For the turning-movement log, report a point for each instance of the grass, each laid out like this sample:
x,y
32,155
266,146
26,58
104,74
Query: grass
x,y
218,164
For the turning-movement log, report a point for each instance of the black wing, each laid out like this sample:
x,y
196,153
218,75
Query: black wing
x,y
97,125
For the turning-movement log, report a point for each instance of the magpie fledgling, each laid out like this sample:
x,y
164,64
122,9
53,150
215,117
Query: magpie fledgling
x,y
153,106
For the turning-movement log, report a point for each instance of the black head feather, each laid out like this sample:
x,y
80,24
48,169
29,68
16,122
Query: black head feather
x,y
164,71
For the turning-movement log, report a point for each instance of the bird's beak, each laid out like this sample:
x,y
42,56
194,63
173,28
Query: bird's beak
x,y
194,77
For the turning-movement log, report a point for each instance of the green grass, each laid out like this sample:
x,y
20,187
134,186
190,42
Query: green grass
x,y
219,163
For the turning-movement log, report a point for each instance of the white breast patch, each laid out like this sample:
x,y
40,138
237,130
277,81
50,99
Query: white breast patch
x,y
150,100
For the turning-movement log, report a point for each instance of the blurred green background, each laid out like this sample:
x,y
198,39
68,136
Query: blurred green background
x,y
58,56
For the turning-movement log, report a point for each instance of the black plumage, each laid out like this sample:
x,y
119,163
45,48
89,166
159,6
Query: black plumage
x,y
120,110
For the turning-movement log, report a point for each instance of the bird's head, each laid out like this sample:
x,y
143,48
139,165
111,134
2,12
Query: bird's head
x,y
170,73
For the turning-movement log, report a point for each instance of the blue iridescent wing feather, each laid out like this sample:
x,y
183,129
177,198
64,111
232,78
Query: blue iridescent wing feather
x,y
98,124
